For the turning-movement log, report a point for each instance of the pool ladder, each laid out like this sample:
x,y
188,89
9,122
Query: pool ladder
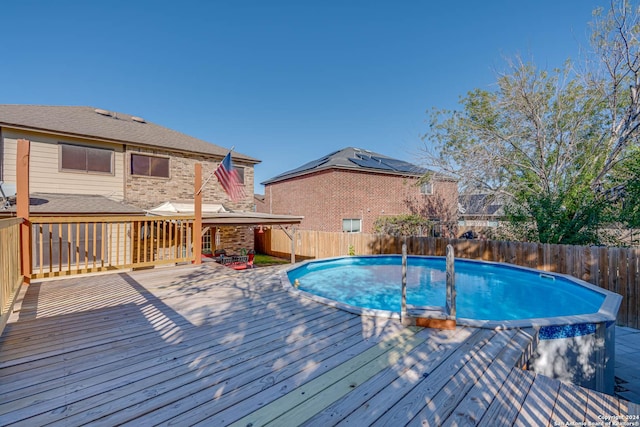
x,y
431,316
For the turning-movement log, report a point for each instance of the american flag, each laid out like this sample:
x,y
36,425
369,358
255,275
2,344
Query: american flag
x,y
230,179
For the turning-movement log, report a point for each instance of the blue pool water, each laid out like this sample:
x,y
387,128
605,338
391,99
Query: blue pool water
x,y
485,291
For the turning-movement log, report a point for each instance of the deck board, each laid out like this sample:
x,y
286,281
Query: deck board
x,y
264,336
425,385
537,408
475,403
439,407
206,345
420,359
508,402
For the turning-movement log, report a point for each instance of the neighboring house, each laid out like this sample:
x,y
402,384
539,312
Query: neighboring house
x,y
347,190
85,160
479,213
258,201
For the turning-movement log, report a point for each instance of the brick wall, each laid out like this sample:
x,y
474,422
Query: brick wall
x,y
327,197
148,192
232,238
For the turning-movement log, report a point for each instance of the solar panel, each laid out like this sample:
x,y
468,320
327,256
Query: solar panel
x,y
371,164
307,166
400,165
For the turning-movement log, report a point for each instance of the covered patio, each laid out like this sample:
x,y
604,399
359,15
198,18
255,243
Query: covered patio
x,y
216,215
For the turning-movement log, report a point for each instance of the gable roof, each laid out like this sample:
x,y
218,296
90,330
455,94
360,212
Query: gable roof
x,y
89,122
354,159
479,204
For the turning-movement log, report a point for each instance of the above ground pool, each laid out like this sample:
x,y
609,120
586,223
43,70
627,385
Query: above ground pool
x,y
575,320
485,291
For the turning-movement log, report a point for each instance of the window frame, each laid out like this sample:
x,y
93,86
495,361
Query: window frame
x,y
207,240
240,170
351,229
426,188
150,169
87,149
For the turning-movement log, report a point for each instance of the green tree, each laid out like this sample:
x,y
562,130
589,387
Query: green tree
x,y
626,193
549,142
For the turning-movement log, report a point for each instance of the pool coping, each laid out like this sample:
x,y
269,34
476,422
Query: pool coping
x,y
606,314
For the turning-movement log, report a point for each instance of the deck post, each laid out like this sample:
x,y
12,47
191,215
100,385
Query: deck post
x,y
197,223
22,206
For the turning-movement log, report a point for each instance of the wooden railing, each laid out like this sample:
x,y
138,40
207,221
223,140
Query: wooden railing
x,y
612,268
10,275
74,245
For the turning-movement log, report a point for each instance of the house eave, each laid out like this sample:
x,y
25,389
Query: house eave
x,y
247,219
340,168
236,157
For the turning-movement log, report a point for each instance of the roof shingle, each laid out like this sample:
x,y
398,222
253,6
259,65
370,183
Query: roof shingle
x,y
113,126
356,159
81,204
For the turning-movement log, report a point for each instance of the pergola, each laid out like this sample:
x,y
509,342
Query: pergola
x,y
287,223
215,215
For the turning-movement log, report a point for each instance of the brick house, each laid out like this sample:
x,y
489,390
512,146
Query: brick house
x,y
89,161
480,213
347,190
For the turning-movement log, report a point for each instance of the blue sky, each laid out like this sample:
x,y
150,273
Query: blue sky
x,y
283,81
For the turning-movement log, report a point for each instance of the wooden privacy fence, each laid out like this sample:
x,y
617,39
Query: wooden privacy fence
x,y
611,268
10,275
73,245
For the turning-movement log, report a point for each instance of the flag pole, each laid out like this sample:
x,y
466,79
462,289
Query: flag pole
x,y
197,222
211,174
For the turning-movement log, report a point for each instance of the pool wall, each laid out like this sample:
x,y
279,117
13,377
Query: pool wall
x,y
583,354
579,349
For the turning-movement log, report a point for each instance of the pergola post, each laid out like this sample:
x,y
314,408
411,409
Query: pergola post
x,y
292,237
22,206
293,245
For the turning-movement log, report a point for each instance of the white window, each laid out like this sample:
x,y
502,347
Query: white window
x,y
426,188
206,241
352,225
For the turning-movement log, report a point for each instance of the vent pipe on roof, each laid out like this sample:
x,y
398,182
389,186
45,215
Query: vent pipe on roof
x,y
138,119
102,112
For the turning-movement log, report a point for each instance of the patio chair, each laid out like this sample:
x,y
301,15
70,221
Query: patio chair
x,y
219,254
251,255
7,193
240,262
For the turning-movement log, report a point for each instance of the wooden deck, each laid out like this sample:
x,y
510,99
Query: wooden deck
x,y
208,345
